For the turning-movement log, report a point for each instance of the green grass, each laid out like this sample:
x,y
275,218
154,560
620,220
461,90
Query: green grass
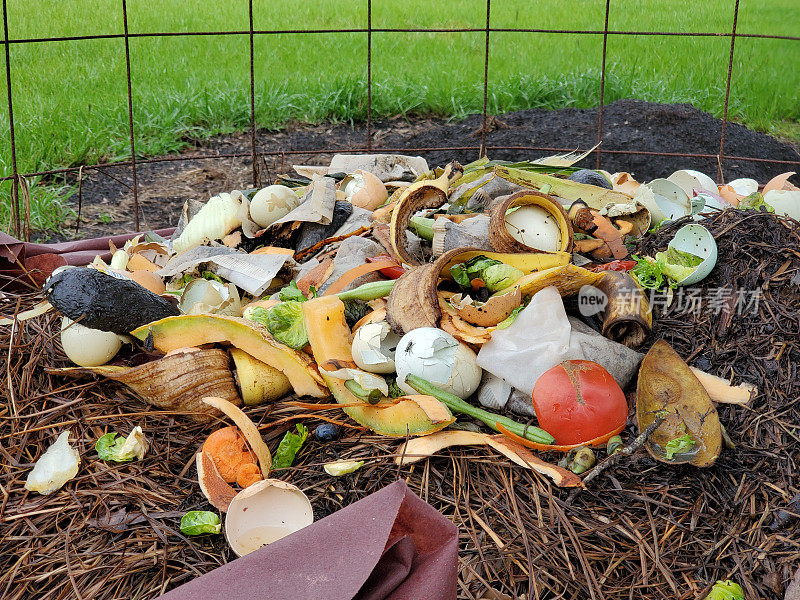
x,y
70,102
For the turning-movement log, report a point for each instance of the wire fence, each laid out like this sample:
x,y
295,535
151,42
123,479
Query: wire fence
x,y
18,179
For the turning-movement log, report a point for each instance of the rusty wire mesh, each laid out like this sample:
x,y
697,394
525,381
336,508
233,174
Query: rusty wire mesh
x,y
481,148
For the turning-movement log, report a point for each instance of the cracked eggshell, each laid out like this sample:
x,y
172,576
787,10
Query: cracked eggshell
x,y
670,199
785,202
689,181
88,347
697,240
265,512
374,346
272,203
365,190
439,358
744,187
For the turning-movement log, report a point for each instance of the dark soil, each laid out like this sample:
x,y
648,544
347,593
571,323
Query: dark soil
x,y
628,125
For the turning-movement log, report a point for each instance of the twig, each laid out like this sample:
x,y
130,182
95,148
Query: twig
x,y
616,458
299,256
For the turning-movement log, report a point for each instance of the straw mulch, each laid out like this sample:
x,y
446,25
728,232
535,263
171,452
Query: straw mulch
x,y
641,530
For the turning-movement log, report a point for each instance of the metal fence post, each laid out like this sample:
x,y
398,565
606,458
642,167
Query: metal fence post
x,y
482,151
727,96
369,75
130,116
602,85
15,174
252,101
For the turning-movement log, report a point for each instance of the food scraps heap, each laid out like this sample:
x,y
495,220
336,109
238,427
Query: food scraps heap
x,y
502,292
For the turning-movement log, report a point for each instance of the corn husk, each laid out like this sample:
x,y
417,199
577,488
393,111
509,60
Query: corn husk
x,y
176,382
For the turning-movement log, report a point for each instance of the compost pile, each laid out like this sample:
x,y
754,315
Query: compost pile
x,y
376,319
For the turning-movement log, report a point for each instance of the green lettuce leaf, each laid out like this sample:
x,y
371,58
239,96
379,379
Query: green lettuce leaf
x,y
649,273
292,292
754,202
726,590
678,265
290,444
110,447
258,314
679,445
197,522
285,322
495,274
505,323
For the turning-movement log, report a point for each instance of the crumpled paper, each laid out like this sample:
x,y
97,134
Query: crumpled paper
x,y
390,545
542,336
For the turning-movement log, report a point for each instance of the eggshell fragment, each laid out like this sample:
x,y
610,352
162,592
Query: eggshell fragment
x,y
785,202
438,357
272,203
697,240
264,513
88,347
689,181
744,186
374,347
365,190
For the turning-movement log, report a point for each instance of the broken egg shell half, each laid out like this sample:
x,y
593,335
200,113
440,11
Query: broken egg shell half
x,y
697,240
365,190
438,357
265,512
489,313
374,346
272,203
88,347
785,202
689,180
669,201
744,187
205,296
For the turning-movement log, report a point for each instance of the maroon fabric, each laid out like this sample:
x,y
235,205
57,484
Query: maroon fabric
x,y
389,546
37,261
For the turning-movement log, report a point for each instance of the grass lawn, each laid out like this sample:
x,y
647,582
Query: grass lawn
x,y
70,97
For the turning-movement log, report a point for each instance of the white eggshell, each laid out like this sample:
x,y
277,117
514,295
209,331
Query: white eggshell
x,y
745,187
439,358
374,347
272,203
671,200
265,512
88,347
689,181
785,202
696,239
535,227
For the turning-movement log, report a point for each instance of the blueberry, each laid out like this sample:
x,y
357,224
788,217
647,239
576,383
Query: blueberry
x,y
326,432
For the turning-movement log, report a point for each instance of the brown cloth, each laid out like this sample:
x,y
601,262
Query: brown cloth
x,y
390,545
39,260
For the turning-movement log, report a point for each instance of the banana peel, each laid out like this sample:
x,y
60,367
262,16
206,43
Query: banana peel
x,y
427,193
413,301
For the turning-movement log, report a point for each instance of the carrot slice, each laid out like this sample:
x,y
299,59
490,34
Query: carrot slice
x,y
558,448
350,276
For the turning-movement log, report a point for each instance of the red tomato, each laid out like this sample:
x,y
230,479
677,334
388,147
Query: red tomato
x,y
390,272
615,265
578,401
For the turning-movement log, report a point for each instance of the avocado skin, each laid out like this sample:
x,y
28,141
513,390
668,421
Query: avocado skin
x,y
314,233
104,302
590,177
